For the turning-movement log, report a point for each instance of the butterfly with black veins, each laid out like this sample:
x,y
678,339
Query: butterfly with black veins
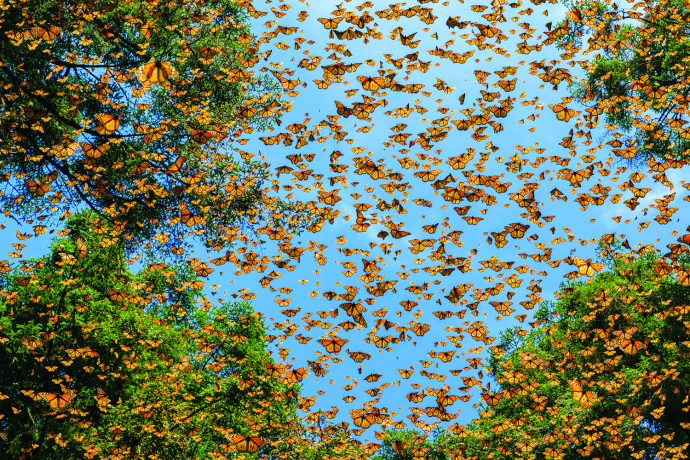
x,y
155,72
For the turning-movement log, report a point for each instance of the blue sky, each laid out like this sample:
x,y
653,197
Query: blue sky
x,y
568,219
308,282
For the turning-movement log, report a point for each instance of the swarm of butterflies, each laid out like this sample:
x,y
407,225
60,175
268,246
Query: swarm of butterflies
x,y
415,134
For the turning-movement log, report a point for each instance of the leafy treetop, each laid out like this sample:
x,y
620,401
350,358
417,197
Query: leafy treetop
x,y
101,362
128,108
601,375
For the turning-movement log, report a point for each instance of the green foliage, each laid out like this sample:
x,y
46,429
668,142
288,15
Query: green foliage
x,y
599,376
82,125
101,361
638,71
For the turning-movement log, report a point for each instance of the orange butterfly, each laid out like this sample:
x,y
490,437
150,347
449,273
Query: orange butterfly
x,y
57,401
156,72
107,124
91,151
406,373
201,136
399,446
117,296
381,342
102,400
371,83
330,23
364,420
358,356
189,219
175,166
247,444
587,267
297,374
562,112
491,399
333,345
580,395
37,188
207,54
49,34
632,346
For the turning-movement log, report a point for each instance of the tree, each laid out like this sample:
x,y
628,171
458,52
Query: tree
x,y
126,108
101,362
602,374
638,76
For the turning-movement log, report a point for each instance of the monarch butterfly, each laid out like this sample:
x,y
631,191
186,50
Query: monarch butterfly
x,y
439,315
587,267
371,83
330,198
156,72
370,265
632,346
399,446
63,151
102,399
472,220
446,356
322,84
79,353
330,23
655,93
428,175
579,395
297,375
317,369
562,112
363,112
359,356
684,239
47,35
333,345
189,219
507,85
246,112
491,399
364,420
405,373
342,109
335,69
502,111
56,401
247,444
360,226
480,119
91,151
412,88
381,342
462,125
204,271
407,40
201,136
107,124
373,377
37,188
396,232
517,230
207,54
116,296
175,166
